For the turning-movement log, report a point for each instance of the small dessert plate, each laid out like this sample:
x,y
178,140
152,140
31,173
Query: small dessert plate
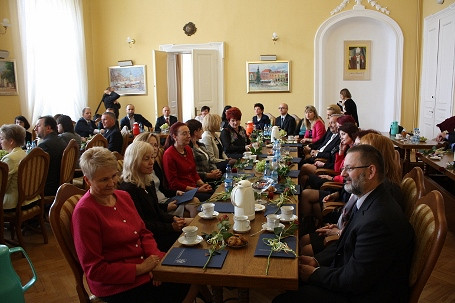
x,y
259,207
293,218
265,227
183,241
435,158
215,214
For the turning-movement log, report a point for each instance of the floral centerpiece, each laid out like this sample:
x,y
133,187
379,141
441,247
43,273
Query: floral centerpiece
x,y
217,239
276,245
164,127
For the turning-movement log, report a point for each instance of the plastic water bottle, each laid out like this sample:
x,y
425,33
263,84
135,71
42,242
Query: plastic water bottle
x,y
267,169
416,135
228,179
274,173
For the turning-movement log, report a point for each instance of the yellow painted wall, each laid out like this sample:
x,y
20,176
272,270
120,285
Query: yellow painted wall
x,y
245,27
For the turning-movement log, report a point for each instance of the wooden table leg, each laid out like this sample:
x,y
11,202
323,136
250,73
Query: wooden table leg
x,y
217,292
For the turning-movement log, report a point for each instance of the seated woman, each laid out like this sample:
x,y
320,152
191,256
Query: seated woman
x,y
213,146
65,129
308,177
313,243
12,139
178,163
233,137
115,249
22,121
205,166
163,193
260,120
315,128
137,180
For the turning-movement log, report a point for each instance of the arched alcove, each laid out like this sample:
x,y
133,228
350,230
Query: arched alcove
x,y
378,99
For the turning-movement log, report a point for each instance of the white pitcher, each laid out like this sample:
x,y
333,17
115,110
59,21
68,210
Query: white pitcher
x,y
275,135
242,197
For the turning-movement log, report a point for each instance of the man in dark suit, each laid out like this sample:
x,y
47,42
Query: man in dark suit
x,y
111,132
131,117
285,121
110,100
165,118
85,126
51,143
373,255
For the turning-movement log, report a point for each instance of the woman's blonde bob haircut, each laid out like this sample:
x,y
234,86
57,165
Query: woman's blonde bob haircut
x,y
145,136
211,123
134,154
94,158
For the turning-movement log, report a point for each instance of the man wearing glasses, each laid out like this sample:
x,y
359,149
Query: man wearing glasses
x,y
373,256
285,121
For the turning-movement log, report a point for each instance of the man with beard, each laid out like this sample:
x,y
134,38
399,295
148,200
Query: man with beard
x,y
372,258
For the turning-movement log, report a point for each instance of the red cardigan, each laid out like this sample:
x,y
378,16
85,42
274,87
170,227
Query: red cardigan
x,y
180,170
339,162
317,132
109,242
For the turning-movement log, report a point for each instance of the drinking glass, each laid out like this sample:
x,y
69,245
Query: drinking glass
x,y
260,186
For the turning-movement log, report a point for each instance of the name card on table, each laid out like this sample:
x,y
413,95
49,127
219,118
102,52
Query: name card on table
x,y
194,257
263,250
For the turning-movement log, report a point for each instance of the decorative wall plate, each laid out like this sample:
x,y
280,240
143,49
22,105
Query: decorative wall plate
x,y
189,28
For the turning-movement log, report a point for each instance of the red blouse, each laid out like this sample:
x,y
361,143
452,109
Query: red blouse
x,y
180,170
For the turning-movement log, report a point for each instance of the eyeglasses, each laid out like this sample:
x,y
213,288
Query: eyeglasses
x,y
282,108
350,169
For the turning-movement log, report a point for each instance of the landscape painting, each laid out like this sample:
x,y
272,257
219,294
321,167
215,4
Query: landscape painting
x,y
128,80
8,80
268,76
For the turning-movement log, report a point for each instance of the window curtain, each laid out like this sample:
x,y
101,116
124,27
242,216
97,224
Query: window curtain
x,y
53,52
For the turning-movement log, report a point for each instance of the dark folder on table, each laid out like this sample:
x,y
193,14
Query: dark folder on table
x,y
263,250
194,257
186,197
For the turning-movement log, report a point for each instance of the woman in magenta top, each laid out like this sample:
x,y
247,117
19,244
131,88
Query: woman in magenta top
x,y
115,250
178,163
315,128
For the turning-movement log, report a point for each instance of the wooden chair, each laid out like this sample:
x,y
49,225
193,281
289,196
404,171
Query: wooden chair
x,y
97,140
117,155
430,227
126,142
412,187
3,183
31,179
271,117
297,119
60,218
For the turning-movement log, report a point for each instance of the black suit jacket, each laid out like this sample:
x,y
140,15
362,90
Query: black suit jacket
x,y
373,256
83,128
109,99
54,146
114,139
288,125
137,118
161,120
330,149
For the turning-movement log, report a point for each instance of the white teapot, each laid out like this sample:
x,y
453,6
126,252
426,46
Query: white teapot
x,y
242,197
275,135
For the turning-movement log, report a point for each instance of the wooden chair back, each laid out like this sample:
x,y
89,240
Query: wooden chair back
x,y
126,138
60,216
297,119
430,227
69,161
3,183
271,117
412,188
97,140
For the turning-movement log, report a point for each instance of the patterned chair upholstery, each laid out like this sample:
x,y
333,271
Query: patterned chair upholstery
x,y
3,184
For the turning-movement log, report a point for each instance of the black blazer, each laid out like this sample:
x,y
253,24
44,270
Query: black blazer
x,y
329,149
373,256
114,139
83,128
288,125
137,118
161,120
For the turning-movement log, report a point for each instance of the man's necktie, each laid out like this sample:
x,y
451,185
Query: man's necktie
x,y
348,211
282,122
167,121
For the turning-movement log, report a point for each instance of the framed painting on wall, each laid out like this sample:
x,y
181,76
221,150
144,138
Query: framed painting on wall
x,y
8,78
267,76
128,80
357,60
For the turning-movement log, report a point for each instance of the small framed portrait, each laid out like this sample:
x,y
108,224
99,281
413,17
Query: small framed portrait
x,y
357,60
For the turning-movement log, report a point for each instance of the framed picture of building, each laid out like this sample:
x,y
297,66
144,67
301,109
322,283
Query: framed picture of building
x,y
128,80
8,78
267,76
357,60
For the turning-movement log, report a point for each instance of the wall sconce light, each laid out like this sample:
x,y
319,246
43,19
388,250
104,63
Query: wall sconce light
x,y
130,41
439,1
274,37
5,23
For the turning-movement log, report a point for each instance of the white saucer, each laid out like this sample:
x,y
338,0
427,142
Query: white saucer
x,y
242,231
293,218
259,207
215,214
435,158
183,241
265,227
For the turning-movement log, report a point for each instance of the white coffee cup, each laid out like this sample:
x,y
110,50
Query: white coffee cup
x,y
208,209
273,221
247,154
290,139
253,157
287,212
399,136
190,233
241,223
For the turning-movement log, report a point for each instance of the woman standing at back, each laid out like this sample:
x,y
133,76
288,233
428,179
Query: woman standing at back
x,y
347,105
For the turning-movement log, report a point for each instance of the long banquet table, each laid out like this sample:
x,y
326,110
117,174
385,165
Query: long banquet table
x,y
241,268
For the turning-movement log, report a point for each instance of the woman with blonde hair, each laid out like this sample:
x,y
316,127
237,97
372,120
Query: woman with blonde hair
x,y
163,192
213,145
315,128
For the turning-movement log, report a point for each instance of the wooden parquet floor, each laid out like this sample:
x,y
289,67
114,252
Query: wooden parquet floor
x,y
56,284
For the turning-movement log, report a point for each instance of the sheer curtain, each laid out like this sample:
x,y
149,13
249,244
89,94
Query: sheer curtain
x,y
53,52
